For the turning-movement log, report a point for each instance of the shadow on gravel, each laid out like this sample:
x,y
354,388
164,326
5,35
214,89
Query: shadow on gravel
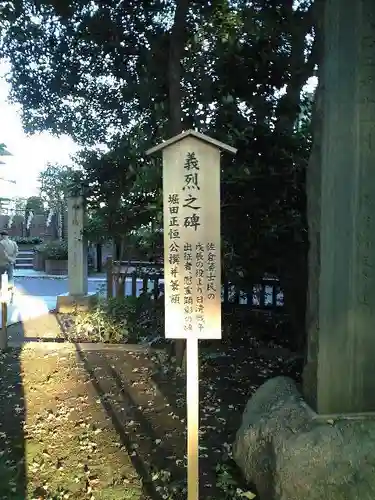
x,y
13,482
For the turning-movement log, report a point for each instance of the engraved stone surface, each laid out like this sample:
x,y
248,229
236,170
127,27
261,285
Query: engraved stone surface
x,y
77,248
345,358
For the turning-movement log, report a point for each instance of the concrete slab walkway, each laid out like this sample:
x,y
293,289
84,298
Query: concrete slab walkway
x,y
44,327
26,307
36,293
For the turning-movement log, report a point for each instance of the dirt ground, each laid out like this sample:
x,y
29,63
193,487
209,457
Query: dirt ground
x,y
111,424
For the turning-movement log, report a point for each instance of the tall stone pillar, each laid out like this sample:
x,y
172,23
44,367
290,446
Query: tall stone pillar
x,y
346,353
77,248
77,296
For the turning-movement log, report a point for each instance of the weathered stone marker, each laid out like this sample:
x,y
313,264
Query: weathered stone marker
x,y
77,248
345,381
192,260
77,260
330,452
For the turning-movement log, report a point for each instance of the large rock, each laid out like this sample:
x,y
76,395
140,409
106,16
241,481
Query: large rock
x,y
290,453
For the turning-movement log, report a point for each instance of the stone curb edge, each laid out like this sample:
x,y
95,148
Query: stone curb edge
x,y
61,343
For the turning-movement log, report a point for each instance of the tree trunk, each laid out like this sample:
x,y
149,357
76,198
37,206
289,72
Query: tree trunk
x,y
176,50
121,278
99,257
177,42
294,286
313,191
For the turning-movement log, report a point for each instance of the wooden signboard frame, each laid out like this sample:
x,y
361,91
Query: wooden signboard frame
x,y
192,260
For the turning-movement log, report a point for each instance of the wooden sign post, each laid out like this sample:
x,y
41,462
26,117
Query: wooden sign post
x,y
192,260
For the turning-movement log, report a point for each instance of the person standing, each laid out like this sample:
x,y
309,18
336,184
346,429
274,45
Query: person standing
x,y
8,255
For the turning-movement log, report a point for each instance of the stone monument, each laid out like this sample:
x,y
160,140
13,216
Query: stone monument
x,y
288,449
78,296
345,350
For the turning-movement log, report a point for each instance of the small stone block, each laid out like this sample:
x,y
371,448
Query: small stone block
x,y
66,304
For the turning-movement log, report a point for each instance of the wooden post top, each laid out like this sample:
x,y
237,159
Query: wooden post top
x,y
196,135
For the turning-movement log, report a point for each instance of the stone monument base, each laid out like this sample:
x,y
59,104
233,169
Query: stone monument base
x,y
66,304
289,452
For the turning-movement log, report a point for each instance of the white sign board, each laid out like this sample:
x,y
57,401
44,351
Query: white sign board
x,y
192,259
